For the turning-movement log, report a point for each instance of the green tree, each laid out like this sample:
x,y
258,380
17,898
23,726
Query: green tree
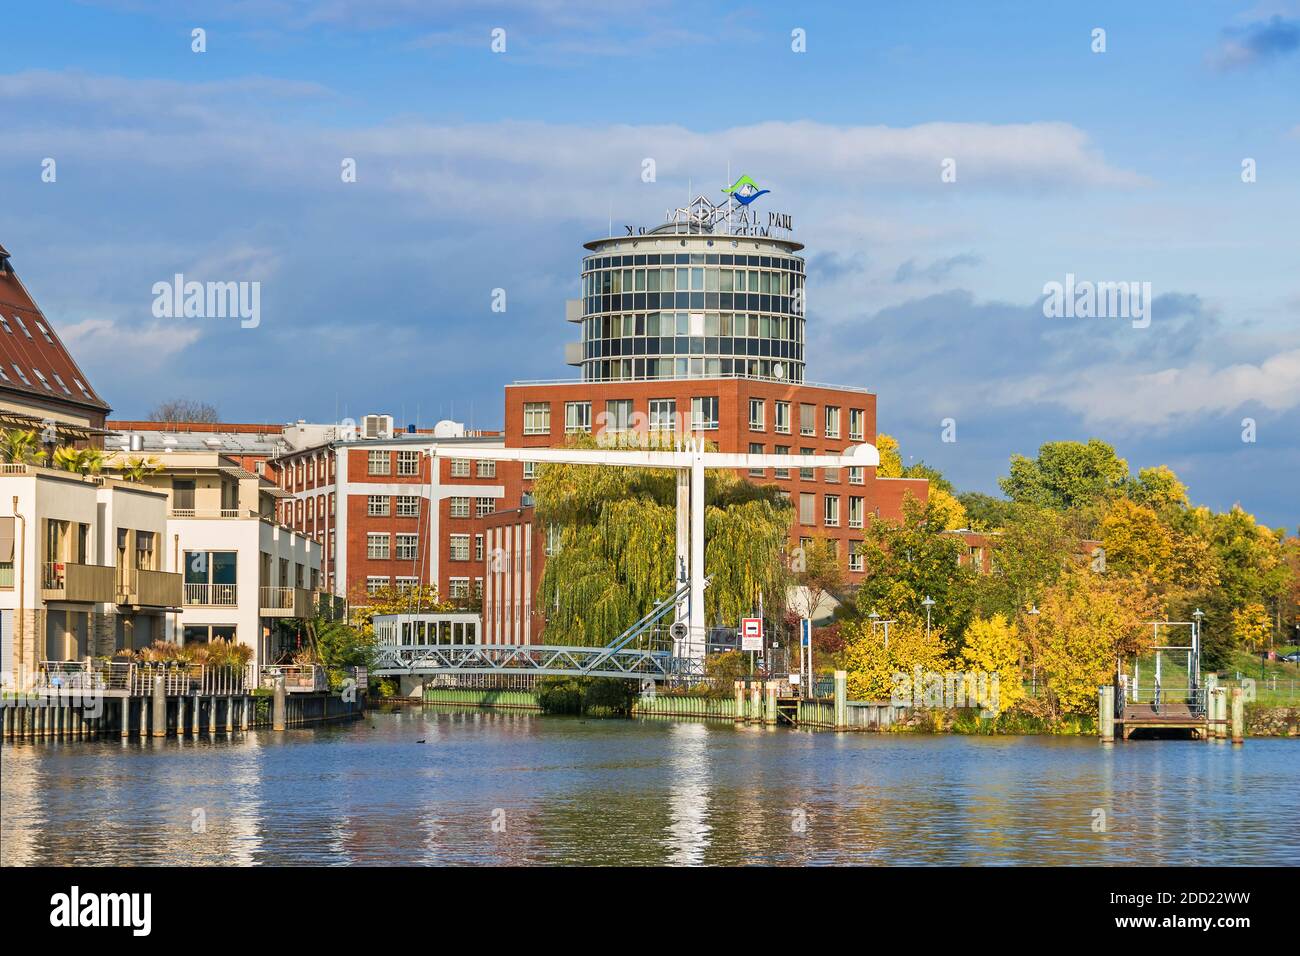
x,y
616,547
1066,474
908,560
1029,554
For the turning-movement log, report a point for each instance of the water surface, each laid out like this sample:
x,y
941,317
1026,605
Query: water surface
x,y
432,786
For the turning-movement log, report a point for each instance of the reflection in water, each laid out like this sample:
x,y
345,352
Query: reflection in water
x,y
435,786
688,798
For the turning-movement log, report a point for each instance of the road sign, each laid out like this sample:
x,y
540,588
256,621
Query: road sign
x,y
751,633
805,632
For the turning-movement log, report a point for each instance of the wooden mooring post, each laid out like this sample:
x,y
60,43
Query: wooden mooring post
x,y
1106,713
740,701
278,708
1238,716
841,700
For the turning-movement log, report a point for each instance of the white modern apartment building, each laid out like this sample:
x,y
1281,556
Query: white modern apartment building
x,y
243,571
85,569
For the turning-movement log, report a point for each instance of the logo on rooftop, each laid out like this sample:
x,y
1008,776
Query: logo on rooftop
x,y
744,190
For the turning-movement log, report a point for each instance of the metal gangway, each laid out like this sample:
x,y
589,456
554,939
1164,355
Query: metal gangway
x,y
628,655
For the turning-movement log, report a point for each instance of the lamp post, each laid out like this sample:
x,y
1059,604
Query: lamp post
x,y
875,619
929,603
1033,680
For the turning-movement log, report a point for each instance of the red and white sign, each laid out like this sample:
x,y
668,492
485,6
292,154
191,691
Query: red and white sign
x,y
751,633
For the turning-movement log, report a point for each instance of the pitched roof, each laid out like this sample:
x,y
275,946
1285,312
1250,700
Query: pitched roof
x,y
44,367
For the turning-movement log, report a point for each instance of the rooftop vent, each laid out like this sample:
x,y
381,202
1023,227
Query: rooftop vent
x,y
377,426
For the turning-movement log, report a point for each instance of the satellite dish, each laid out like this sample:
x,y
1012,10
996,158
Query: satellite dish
x,y
778,370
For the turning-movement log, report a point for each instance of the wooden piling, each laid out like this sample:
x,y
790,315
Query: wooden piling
x,y
278,709
1106,713
841,700
740,701
1238,716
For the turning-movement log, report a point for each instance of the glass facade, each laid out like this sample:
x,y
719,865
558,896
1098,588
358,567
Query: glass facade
x,y
693,314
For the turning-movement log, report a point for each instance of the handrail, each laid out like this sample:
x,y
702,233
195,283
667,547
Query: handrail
x,y
641,626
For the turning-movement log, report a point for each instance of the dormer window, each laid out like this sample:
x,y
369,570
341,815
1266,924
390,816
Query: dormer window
x,y
4,324
22,376
45,332
80,385
44,381
19,320
62,384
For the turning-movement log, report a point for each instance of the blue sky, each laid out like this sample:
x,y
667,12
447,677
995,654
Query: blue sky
x,y
478,170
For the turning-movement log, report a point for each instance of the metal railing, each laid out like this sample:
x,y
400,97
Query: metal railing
x,y
297,677
211,595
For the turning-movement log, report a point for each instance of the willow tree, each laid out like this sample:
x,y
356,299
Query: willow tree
x,y
613,556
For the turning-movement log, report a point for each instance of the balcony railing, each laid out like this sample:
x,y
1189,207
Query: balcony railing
x,y
210,595
6,574
87,583
212,513
147,588
286,602
298,678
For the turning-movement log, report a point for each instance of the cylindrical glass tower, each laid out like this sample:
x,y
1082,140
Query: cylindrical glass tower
x,y
685,301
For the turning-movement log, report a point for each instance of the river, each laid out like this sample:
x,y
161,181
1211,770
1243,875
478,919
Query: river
x,y
417,786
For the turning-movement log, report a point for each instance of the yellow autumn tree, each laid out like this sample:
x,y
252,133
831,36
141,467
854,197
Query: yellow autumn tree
x,y
993,645
1136,541
1251,626
872,668
891,463
1086,621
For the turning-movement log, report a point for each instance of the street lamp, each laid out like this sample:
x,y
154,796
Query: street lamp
x,y
875,619
929,603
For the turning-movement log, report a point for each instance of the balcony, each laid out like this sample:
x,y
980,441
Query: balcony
x,y
143,588
83,583
286,602
210,595
6,574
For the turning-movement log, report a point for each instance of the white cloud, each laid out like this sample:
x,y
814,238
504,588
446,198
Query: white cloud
x,y
142,347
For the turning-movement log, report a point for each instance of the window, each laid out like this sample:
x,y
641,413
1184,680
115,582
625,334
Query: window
x,y
757,414
704,412
832,421
45,332
4,324
460,467
4,376
21,374
408,547
210,577
377,506
408,506
82,387
577,417
537,418
487,468
782,472
484,506
375,584
832,511
377,546
408,462
807,419
783,417
459,544
855,556
459,587
806,474
856,476
62,384
857,421
459,507
378,462
807,508
756,448
663,414
618,414
855,512
144,551
19,320
530,470
407,584
478,547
